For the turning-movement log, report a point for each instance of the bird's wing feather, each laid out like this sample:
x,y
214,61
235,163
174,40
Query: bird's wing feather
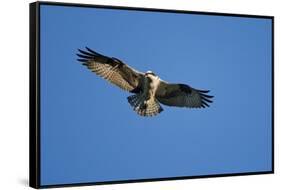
x,y
111,69
182,95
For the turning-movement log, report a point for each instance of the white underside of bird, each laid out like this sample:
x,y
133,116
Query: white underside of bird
x,y
145,103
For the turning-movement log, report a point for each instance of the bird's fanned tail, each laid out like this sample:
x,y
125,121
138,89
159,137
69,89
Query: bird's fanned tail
x,y
144,107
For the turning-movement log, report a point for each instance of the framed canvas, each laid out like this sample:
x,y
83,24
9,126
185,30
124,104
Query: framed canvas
x,y
123,94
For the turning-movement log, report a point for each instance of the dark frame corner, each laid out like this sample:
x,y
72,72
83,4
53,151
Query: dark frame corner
x,y
34,115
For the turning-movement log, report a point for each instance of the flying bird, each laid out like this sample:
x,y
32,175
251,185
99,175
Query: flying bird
x,y
149,91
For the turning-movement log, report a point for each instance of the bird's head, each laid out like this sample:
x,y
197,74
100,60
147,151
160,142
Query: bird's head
x,y
150,73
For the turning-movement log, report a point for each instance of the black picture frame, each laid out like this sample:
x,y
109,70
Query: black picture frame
x,y
34,92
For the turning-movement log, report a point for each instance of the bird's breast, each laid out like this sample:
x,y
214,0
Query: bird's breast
x,y
152,85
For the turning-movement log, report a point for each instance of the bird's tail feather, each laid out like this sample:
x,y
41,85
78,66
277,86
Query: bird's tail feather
x,y
144,107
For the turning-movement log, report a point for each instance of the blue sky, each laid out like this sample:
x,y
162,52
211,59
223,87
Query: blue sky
x,y
89,132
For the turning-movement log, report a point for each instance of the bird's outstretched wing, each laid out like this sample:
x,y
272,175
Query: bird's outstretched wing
x,y
111,69
182,95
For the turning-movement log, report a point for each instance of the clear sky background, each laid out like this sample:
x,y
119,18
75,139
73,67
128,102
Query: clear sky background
x,y
90,133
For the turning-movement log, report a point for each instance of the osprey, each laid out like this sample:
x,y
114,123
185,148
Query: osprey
x,y
149,90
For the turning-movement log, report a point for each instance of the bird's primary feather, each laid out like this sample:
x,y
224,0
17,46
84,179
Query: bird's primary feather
x,y
111,69
182,95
